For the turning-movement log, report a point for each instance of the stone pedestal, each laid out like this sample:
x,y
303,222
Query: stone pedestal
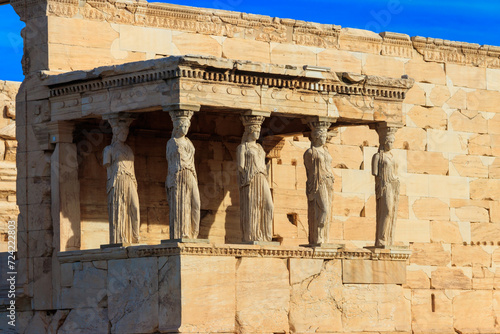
x,y
197,287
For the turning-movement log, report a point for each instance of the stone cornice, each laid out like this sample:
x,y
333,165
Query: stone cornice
x,y
443,51
212,69
228,250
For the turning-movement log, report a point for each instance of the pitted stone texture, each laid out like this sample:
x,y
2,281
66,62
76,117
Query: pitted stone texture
x,y
262,295
450,278
475,312
417,279
316,296
423,71
431,208
428,118
88,286
87,320
432,312
429,254
446,232
373,272
169,293
133,295
376,307
204,299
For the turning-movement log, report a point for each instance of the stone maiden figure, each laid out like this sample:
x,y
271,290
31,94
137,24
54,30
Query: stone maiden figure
x,y
121,185
256,203
384,168
319,185
182,183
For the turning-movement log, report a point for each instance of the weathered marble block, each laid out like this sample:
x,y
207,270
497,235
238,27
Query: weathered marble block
x,y
316,296
88,287
262,295
371,272
133,295
197,294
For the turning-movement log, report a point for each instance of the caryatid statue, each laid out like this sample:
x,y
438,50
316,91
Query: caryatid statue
x,y
319,185
256,202
121,185
385,170
182,183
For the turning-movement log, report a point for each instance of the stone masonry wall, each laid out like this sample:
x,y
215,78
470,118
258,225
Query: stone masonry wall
x,y
449,149
139,290
8,148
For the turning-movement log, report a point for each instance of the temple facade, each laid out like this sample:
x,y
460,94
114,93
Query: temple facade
x,y
187,170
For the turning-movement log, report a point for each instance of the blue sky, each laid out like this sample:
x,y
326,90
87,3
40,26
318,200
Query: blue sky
x,y
459,20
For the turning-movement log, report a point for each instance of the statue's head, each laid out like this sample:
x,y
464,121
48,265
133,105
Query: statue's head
x,y
319,136
252,128
120,127
389,142
181,127
252,133
182,121
319,133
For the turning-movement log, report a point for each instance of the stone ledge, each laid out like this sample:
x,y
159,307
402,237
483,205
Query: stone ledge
x,y
235,250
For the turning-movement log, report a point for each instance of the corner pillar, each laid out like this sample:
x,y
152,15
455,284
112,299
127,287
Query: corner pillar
x,y
65,188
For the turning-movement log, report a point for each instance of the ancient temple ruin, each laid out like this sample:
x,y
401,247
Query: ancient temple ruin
x,y
402,132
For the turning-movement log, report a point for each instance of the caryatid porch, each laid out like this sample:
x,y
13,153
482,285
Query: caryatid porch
x,y
218,91
210,87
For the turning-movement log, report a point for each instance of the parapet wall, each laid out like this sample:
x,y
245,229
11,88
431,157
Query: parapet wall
x,y
131,31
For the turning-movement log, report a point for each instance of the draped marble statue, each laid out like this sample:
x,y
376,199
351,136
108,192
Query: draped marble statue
x,y
384,168
319,185
121,185
182,183
256,203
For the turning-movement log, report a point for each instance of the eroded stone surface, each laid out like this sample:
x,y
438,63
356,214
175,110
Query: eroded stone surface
x,y
208,292
86,320
373,272
262,295
450,278
316,296
473,312
429,254
375,307
133,295
87,289
432,312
